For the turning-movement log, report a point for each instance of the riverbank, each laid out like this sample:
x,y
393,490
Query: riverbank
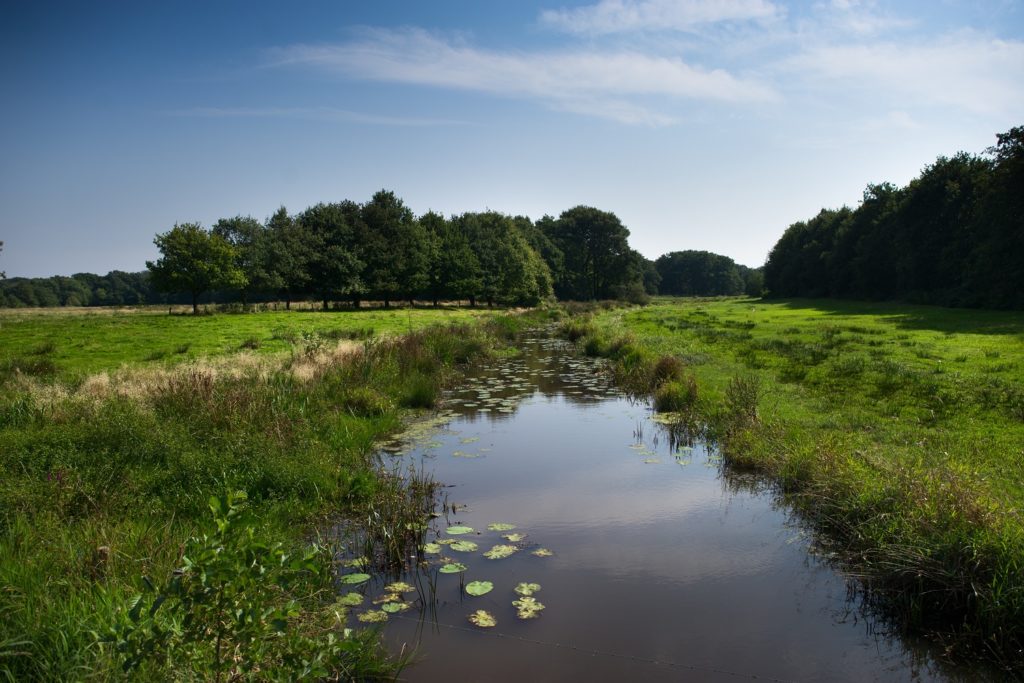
x,y
897,431
111,477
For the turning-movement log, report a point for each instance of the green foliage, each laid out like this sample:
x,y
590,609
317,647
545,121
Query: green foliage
x,y
698,273
950,237
194,261
232,610
597,262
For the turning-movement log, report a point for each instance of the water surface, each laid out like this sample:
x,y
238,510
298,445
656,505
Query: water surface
x,y
663,567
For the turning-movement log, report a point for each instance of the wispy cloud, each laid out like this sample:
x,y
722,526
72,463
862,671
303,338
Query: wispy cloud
x,y
618,16
612,84
968,71
313,113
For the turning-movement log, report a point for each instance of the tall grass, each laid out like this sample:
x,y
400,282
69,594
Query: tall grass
x,y
106,478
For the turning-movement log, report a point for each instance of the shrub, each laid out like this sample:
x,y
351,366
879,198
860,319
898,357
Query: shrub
x,y
676,396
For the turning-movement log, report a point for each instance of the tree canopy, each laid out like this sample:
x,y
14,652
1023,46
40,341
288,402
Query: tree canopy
x,y
194,260
953,236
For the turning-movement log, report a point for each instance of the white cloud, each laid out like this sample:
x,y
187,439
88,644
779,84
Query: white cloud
x,y
616,16
614,85
967,71
313,113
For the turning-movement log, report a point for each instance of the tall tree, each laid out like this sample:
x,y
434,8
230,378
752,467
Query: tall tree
x,y
249,238
289,253
596,253
195,261
511,272
698,273
334,269
396,249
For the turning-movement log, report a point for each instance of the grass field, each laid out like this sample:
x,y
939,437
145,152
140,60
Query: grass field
x,y
75,343
107,479
898,430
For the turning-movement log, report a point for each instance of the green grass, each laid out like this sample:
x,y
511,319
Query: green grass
x,y
104,481
897,430
73,344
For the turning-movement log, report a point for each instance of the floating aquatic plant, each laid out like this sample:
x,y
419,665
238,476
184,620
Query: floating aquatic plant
x,y
356,563
464,454
395,607
350,600
387,597
459,530
514,537
483,619
543,552
478,588
527,589
399,587
500,526
452,568
527,607
374,616
499,552
469,439
464,546
353,579
432,548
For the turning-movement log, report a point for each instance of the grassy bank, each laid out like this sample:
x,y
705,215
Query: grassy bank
x,y
108,478
73,344
896,430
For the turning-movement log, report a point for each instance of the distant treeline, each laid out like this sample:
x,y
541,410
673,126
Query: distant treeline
x,y
954,236
350,252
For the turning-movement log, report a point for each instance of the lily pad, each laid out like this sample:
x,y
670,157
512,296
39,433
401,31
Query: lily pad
x,y
452,568
353,579
464,454
399,587
387,597
543,552
350,599
445,541
514,537
464,546
432,548
483,619
478,588
499,552
460,530
395,607
469,439
527,589
527,607
500,526
374,616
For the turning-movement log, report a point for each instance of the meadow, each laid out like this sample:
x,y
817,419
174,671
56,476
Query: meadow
x,y
123,546
74,343
898,431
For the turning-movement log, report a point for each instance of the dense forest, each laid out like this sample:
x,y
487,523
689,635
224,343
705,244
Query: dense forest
x,y
954,236
347,253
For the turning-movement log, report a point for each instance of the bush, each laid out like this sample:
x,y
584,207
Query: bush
x,y
676,396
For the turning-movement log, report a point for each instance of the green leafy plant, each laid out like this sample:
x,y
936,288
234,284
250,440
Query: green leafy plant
x,y
232,610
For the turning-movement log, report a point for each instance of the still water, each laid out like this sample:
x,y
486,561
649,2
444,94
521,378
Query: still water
x,y
662,567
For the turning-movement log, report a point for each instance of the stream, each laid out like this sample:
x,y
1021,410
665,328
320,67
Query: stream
x,y
654,564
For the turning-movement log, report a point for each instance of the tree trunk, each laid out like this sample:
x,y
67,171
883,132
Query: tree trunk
x,y
325,303
195,303
387,303
472,301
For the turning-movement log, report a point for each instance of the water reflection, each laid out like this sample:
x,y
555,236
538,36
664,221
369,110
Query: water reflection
x,y
663,567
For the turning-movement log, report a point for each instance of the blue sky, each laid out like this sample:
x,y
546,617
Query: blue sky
x,y
703,124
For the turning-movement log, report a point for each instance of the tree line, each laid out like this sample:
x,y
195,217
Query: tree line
x,y
347,253
954,236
